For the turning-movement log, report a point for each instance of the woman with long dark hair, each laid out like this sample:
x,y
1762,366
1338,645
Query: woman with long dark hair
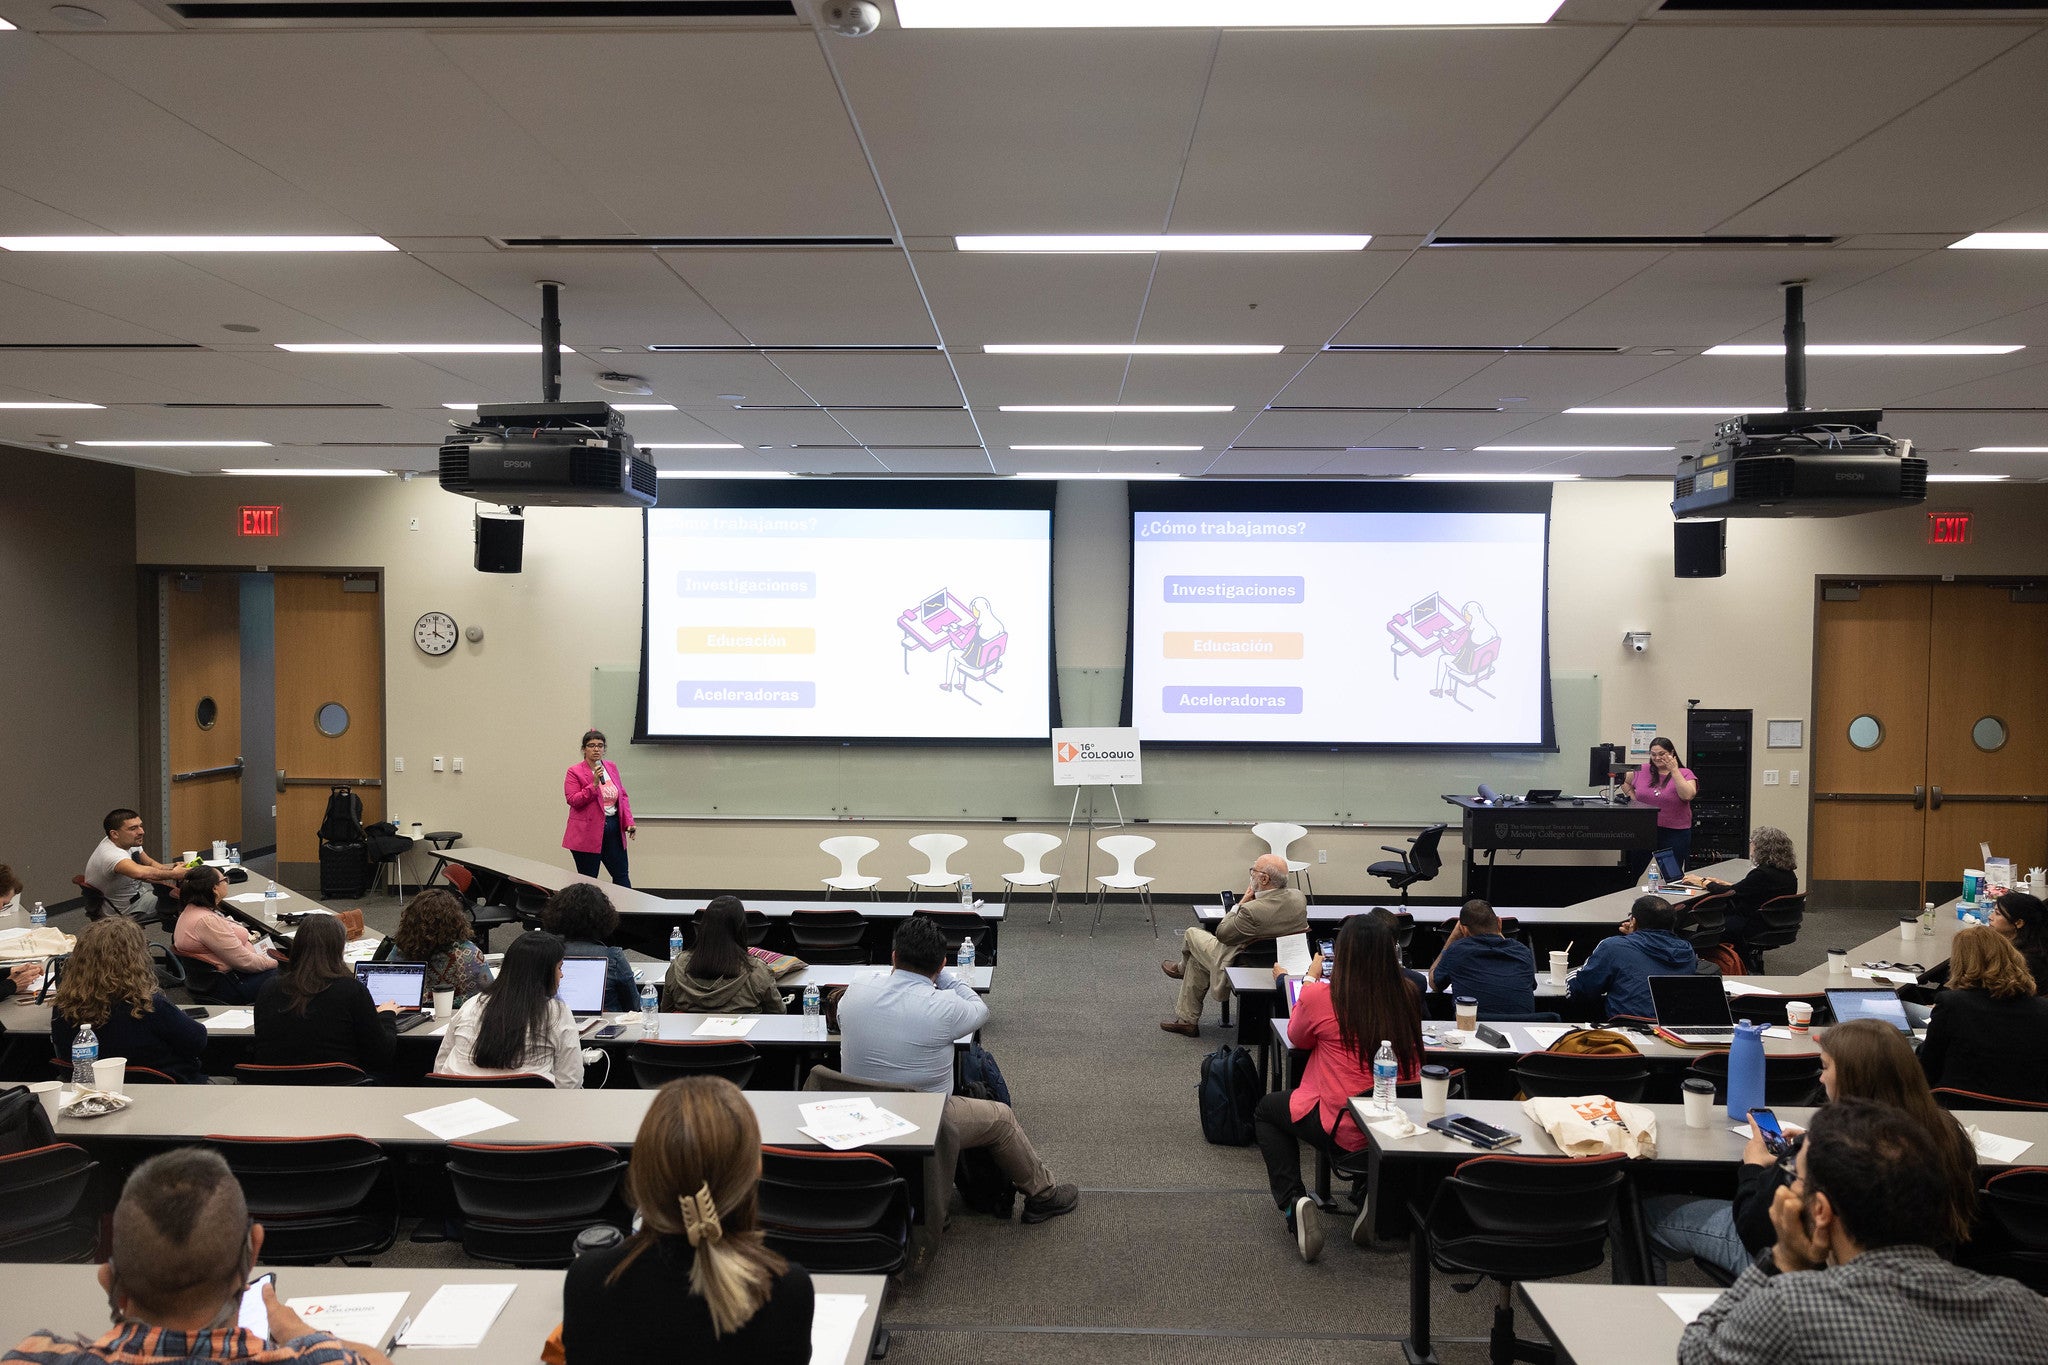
x,y
1368,1000
1666,785
315,1010
516,1026
718,975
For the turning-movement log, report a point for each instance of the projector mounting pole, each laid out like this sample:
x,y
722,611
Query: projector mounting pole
x,y
550,341
1795,346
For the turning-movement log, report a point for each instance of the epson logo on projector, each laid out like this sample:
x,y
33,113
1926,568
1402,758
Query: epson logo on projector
x,y
518,464
1850,478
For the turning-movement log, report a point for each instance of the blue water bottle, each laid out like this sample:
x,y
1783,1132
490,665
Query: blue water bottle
x,y
1746,1071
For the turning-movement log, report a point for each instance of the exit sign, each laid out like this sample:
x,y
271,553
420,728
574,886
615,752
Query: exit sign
x,y
261,521
1948,528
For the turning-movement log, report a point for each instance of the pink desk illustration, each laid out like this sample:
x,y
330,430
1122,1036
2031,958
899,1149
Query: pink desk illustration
x,y
1464,639
1428,626
941,621
974,641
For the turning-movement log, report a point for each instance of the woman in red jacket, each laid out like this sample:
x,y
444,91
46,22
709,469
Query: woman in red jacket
x,y
600,812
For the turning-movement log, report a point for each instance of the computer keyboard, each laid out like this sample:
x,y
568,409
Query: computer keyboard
x,y
1700,1035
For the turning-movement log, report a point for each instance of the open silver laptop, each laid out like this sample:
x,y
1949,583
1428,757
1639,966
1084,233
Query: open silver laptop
x,y
1692,1010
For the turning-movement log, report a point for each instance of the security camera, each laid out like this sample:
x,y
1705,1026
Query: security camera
x,y
850,18
1638,640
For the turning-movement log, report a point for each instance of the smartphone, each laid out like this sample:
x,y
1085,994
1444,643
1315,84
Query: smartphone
x,y
1767,1123
1478,1132
196,1011
255,1316
609,1031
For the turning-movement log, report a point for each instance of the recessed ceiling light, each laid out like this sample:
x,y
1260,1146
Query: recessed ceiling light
x,y
1494,478
1827,348
1093,474
1667,412
1100,450
311,473
221,445
2002,241
412,347
1059,349
1965,478
1082,242
181,246
724,474
1583,450
68,407
1221,13
1997,450
1116,407
698,445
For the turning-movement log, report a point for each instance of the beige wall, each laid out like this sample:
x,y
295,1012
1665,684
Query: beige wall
x,y
512,705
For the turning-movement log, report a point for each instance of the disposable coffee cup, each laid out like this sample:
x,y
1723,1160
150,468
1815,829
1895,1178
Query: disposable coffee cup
x,y
1699,1103
1468,1013
220,850
1436,1089
444,1004
190,855
418,830
1838,961
1560,966
1909,929
1799,1015
108,1073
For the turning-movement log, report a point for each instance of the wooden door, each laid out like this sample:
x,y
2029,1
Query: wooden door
x,y
1987,733
330,654
1871,656
202,655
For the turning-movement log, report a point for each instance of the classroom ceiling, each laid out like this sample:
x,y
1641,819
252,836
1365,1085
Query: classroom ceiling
x,y
1890,137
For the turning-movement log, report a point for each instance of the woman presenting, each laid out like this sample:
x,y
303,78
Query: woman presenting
x,y
1668,786
600,812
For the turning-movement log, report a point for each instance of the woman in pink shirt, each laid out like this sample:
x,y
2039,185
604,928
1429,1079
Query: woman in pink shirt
x,y
1669,786
206,935
600,812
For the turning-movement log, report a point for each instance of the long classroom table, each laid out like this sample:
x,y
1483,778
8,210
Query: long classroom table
x,y
1609,1324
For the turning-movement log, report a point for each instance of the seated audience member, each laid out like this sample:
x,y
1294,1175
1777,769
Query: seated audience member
x,y
108,983
900,1028
718,975
2022,921
182,1252
315,1010
696,1281
434,930
1775,873
1854,1275
584,918
1989,1031
516,1025
1479,961
1269,908
1615,979
1342,1022
121,869
1863,1059
23,974
245,963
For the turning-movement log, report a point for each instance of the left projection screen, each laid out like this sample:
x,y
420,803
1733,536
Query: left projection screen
x,y
848,623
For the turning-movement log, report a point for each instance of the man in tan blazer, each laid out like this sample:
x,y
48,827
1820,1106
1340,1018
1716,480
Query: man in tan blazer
x,y
1269,908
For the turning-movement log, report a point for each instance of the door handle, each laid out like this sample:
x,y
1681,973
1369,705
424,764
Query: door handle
x,y
1918,804
280,779
1937,798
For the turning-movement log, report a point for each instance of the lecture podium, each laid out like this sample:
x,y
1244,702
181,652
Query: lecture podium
x,y
1568,824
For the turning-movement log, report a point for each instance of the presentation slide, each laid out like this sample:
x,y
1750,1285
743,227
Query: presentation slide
x,y
1416,628
849,623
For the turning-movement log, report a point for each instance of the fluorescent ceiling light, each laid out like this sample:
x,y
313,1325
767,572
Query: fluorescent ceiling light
x,y
1998,241
1562,450
1057,349
49,406
1824,348
311,473
211,445
723,474
1093,474
1112,408
616,407
1494,478
1666,412
1965,478
1101,450
2009,450
1221,13
181,246
413,347
1113,242
697,445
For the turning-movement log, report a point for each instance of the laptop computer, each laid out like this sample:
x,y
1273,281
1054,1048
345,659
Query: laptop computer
x,y
582,988
1881,1005
403,984
1692,1011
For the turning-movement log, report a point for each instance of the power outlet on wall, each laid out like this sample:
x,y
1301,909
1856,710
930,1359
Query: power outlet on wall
x,y
1322,855
1770,777
397,765
437,764
1795,777
458,763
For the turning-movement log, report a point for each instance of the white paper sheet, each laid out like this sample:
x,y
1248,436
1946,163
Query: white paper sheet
x,y
834,1320
1743,988
845,1124
727,1026
251,897
361,950
231,1019
1545,1036
460,1119
367,1318
1688,1305
457,1315
1993,1147
1291,950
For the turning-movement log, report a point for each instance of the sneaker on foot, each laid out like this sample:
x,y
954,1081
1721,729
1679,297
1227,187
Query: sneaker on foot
x,y
1054,1202
1182,1027
1308,1228
1361,1226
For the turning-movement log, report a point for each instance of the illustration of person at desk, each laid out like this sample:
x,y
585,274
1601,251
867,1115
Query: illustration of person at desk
x,y
973,638
1464,639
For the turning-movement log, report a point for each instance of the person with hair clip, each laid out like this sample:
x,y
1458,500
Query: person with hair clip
x,y
718,975
315,1010
21,975
434,930
207,935
108,983
696,1280
1342,1021
1668,786
600,812
516,1025
1989,1030
1864,1059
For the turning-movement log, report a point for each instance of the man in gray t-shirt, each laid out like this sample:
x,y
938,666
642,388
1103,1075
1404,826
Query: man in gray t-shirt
x,y
121,869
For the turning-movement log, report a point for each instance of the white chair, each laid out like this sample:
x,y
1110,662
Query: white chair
x,y
1126,849
1278,836
937,848
849,849
1032,848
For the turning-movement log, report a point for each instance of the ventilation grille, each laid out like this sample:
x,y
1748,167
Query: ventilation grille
x,y
1476,350
1338,407
441,13
267,407
455,466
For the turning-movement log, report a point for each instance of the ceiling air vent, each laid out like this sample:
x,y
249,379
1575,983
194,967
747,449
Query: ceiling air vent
x,y
446,13
266,407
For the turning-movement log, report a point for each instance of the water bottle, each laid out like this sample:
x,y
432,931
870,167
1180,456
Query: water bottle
x,y
814,1022
1927,918
234,855
966,889
270,889
1385,1071
1746,1071
85,1050
675,943
38,917
650,1009
967,953
1653,881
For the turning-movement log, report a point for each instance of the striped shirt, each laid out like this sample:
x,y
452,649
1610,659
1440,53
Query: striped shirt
x,y
138,1343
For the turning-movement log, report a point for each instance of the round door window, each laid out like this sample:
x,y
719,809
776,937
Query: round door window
x,y
206,713
331,719
1988,734
1865,732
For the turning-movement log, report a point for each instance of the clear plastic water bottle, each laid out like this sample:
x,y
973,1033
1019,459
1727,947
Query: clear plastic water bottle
x,y
38,917
650,1009
1927,918
1653,880
85,1050
234,855
814,1021
966,889
967,953
1385,1072
270,889
675,943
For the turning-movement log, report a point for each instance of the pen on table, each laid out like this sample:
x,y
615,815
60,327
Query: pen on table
x,y
396,1341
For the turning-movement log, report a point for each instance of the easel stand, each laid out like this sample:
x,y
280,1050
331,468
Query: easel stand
x,y
1088,847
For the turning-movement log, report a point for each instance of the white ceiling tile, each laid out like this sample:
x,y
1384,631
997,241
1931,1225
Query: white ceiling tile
x,y
993,380
696,379
1552,381
909,428
1381,379
1469,297
1267,464
933,461
1283,297
608,298
916,377
811,298
988,297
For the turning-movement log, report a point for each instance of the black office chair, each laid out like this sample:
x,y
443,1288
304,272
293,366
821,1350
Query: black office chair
x,y
523,1080
835,1213
958,926
829,937
1789,1078
305,1073
45,1213
482,918
655,1064
1565,1074
1704,922
1420,861
2012,1227
319,1199
1781,918
1950,1098
1356,1166
524,1205
208,984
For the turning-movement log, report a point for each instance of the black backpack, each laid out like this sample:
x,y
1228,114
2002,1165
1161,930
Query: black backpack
x,y
1226,1093
343,822
978,1069
24,1123
983,1186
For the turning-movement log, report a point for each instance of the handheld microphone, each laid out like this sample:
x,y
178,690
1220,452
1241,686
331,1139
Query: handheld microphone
x,y
1486,793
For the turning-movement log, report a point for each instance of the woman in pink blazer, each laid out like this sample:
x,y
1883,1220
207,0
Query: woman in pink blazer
x,y
600,812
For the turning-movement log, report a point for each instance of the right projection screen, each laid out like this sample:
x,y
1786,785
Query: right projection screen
x,y
1417,619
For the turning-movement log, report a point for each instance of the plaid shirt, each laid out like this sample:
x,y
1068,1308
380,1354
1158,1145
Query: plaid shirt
x,y
1899,1305
136,1343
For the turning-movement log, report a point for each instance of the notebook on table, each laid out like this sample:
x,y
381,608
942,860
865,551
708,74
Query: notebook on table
x,y
1692,1011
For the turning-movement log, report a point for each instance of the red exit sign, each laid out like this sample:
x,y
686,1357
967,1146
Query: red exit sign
x,y
1948,528
261,521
